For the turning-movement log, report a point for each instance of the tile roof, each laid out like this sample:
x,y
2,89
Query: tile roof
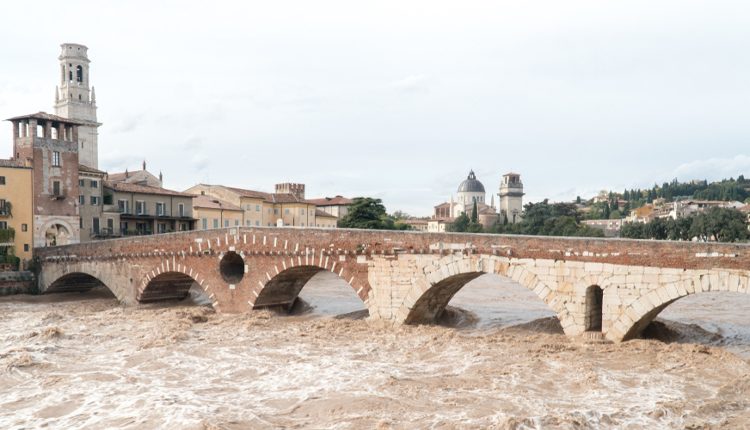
x,y
208,202
268,197
143,189
330,201
248,193
11,163
320,214
48,117
87,169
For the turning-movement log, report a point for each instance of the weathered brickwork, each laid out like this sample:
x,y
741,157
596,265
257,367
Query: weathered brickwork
x,y
404,277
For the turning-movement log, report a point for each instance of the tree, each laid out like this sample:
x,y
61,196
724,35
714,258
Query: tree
x,y
369,213
474,213
460,224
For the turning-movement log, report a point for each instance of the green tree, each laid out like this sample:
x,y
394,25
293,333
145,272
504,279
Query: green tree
x,y
460,224
474,213
369,213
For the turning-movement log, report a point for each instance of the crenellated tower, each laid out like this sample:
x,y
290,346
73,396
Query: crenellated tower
x,y
75,99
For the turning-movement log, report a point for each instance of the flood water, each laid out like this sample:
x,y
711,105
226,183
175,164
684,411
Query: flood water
x,y
82,361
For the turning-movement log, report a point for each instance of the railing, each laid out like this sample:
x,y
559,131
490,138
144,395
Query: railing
x,y
136,232
105,232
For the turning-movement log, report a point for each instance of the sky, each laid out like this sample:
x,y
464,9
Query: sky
x,y
400,99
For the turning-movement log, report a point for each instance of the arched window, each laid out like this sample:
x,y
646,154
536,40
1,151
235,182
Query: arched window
x,y
79,74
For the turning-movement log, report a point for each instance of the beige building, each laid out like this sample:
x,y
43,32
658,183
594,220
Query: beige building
x,y
94,223
286,207
325,220
337,206
212,212
143,209
16,212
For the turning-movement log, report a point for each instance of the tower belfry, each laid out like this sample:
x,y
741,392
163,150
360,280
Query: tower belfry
x,y
75,99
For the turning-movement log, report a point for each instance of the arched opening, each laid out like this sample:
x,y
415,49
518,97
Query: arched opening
x,y
79,74
232,267
594,302
57,235
713,317
79,282
325,293
482,300
168,286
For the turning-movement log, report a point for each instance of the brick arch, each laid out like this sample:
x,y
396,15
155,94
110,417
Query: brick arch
x,y
281,287
640,312
429,296
169,281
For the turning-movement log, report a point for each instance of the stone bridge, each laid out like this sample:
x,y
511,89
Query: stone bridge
x,y
610,286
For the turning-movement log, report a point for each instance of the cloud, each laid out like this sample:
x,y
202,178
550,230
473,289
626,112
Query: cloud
x,y
713,168
127,125
412,84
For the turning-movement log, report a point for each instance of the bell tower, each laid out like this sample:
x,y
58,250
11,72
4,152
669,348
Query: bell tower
x,y
75,99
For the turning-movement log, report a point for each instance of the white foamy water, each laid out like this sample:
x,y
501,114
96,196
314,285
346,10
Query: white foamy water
x,y
93,364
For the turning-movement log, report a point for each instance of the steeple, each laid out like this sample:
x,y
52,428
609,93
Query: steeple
x,y
75,100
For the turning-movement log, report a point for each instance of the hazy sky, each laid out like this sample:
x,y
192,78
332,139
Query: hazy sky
x,y
399,99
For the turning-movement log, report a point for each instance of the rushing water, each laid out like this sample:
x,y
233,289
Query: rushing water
x,y
84,361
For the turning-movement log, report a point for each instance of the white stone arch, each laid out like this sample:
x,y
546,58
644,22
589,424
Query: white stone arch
x,y
42,233
462,269
636,315
114,280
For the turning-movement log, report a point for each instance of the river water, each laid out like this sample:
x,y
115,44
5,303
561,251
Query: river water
x,y
82,361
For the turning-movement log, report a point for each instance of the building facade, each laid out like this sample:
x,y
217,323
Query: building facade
x,y
286,207
75,99
337,206
212,212
50,145
145,210
511,197
16,212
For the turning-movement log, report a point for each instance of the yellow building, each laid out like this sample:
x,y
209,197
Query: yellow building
x,y
212,212
325,220
286,207
16,216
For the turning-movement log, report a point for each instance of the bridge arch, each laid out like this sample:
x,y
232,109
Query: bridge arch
x,y
173,283
282,290
641,311
77,282
428,298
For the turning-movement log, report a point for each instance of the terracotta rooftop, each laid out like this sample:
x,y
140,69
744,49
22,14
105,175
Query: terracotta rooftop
x,y
208,202
249,193
268,197
87,169
47,117
321,214
143,189
11,163
330,201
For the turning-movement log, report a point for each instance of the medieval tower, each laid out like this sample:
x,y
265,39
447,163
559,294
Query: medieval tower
x,y
75,99
511,197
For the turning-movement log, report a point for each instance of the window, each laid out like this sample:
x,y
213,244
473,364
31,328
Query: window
x,y
226,223
160,209
25,247
216,223
257,208
236,222
161,228
79,74
95,225
24,227
56,188
94,184
140,207
94,200
123,206
257,223
56,158
81,200
80,183
80,222
2,180
204,222
247,223
110,225
181,209
286,211
3,225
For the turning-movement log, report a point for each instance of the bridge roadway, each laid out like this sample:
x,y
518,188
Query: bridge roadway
x,y
609,286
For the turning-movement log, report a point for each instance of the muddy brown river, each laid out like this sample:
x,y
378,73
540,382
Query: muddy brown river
x,y
82,361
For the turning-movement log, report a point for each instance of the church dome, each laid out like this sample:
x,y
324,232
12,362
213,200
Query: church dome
x,y
471,185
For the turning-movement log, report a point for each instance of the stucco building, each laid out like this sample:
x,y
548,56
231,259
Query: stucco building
x,y
16,213
286,207
212,212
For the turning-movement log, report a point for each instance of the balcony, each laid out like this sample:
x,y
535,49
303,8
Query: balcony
x,y
104,233
57,195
